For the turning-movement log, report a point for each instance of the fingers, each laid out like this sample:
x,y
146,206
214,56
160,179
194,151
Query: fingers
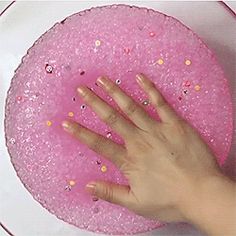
x,y
108,114
131,108
104,146
114,193
166,113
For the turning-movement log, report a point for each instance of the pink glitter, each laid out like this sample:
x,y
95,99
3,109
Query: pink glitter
x,y
46,157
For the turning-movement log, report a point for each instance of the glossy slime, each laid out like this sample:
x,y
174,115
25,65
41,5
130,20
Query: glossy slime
x,y
118,41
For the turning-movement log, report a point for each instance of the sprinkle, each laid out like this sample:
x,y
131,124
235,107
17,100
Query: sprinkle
x,y
145,102
185,92
72,183
103,168
70,114
118,81
152,34
180,98
12,141
81,154
197,87
83,106
187,62
49,123
127,50
48,68
73,99
108,134
160,61
68,188
97,43
82,72
98,162
19,98
186,83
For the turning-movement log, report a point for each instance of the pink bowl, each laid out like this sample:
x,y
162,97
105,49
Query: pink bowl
x,y
119,41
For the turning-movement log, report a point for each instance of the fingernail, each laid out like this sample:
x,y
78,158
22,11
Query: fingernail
x,y
81,91
102,81
90,187
140,78
65,125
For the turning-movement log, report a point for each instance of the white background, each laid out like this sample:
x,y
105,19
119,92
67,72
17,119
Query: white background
x,y
21,25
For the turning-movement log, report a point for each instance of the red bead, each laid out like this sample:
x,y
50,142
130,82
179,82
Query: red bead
x,y
127,50
152,34
19,98
186,83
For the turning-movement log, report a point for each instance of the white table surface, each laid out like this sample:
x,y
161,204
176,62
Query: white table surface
x,y
21,25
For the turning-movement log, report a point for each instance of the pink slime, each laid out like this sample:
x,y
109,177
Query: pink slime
x,y
118,41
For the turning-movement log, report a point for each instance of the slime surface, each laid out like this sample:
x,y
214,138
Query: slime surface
x,y
118,41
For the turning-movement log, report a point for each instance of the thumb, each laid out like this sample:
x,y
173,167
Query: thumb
x,y
114,193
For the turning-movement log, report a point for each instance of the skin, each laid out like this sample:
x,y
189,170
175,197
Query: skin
x,y
173,175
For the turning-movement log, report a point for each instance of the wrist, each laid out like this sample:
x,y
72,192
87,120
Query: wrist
x,y
212,206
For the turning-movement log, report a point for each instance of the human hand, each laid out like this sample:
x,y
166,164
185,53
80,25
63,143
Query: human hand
x,y
166,163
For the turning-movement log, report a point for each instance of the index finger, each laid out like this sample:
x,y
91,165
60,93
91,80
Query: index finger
x,y
98,143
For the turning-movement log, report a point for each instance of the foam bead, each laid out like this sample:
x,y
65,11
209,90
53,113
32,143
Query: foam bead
x,y
118,41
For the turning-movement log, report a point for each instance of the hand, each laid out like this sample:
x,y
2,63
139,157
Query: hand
x,y
166,163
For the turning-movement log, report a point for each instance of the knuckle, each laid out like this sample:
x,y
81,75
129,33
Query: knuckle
x,y
151,85
138,146
180,126
180,122
161,136
107,193
142,146
124,167
160,101
96,145
131,108
158,98
112,117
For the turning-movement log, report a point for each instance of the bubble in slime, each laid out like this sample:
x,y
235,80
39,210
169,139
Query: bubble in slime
x,y
118,41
